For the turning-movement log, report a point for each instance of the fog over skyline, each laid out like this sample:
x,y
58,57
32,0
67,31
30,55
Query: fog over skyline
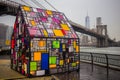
x,y
76,10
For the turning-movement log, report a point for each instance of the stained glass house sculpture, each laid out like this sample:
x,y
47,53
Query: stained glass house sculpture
x,y
43,42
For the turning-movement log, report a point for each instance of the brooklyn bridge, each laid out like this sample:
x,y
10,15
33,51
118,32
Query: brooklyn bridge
x,y
103,39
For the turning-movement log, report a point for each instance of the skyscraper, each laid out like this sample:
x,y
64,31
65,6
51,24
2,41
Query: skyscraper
x,y
98,21
87,22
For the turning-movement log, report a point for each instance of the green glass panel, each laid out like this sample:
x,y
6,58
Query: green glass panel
x,y
52,60
73,64
33,66
56,44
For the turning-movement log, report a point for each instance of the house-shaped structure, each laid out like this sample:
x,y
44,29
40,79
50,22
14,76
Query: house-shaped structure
x,y
43,42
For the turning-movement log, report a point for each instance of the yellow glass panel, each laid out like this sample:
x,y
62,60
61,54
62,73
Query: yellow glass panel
x,y
42,50
49,12
63,46
31,44
74,44
37,56
77,48
61,62
41,43
65,26
52,66
26,8
7,42
45,33
58,33
33,23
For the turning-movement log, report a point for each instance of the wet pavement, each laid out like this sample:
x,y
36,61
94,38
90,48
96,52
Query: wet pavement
x,y
86,73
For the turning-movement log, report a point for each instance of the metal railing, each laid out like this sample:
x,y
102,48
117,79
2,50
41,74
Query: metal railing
x,y
110,61
107,60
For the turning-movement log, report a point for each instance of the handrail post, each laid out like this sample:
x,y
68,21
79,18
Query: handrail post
x,y
91,61
107,65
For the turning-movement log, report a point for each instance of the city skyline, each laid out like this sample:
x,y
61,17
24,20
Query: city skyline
x,y
76,11
108,10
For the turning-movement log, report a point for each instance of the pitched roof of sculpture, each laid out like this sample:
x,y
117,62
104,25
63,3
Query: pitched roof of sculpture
x,y
47,23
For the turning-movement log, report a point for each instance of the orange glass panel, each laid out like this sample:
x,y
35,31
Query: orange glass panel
x,y
26,8
77,62
37,56
65,26
58,33
68,60
41,43
52,66
32,72
49,12
77,48
33,23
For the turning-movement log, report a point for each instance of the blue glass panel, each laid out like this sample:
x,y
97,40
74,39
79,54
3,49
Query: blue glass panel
x,y
45,61
60,49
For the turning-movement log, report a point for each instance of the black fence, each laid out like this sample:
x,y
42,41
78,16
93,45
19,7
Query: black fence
x,y
103,59
109,61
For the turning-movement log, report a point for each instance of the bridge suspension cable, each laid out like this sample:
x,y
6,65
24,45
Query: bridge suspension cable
x,y
25,2
38,4
51,5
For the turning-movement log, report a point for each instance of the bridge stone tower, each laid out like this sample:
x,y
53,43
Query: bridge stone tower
x,y
102,30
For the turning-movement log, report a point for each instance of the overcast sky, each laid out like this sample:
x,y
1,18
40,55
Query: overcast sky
x,y
76,10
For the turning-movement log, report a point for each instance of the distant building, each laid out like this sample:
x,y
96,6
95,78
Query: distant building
x,y
87,22
5,36
98,21
3,30
84,40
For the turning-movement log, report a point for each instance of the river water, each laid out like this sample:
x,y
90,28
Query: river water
x,y
106,50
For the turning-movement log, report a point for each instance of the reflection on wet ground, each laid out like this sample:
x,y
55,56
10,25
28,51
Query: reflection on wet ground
x,y
86,73
69,76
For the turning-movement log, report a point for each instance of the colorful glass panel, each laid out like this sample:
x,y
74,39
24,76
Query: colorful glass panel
x,y
77,48
41,43
26,8
33,66
52,60
74,64
65,27
45,61
58,33
61,62
52,65
37,56
56,44
49,12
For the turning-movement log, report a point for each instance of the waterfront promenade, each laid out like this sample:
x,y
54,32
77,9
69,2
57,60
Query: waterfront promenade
x,y
86,73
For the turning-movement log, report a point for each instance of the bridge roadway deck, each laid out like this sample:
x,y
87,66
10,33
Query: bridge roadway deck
x,y
99,73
